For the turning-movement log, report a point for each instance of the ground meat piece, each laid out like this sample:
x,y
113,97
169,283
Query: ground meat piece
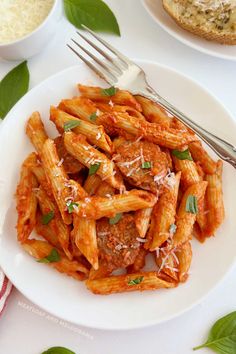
x,y
118,245
140,161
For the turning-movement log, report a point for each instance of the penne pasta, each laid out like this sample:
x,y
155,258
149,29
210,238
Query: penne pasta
x,y
214,201
46,232
36,132
163,216
26,202
69,163
95,134
186,217
168,263
189,172
92,183
120,97
200,155
98,207
84,235
125,283
105,190
153,112
184,255
80,107
41,249
142,219
56,224
78,147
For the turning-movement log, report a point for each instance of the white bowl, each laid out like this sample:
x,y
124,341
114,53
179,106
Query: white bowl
x,y
35,41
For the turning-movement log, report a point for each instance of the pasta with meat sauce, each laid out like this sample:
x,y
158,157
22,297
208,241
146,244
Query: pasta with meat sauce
x,y
121,181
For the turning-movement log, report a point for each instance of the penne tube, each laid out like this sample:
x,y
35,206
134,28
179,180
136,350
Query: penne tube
x,y
97,207
46,232
26,202
214,201
202,214
142,219
121,97
78,147
139,262
123,123
80,107
167,263
70,164
153,112
101,272
105,190
92,183
57,177
184,255
36,132
130,282
200,155
41,249
84,235
163,216
186,218
95,134
189,172
62,231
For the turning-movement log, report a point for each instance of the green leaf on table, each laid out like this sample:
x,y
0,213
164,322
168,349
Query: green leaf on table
x,y
222,336
94,14
182,155
58,350
54,256
12,87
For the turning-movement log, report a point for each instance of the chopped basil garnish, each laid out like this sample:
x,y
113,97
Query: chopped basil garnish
x,y
47,217
54,256
116,219
191,204
146,164
93,116
71,206
111,91
70,125
136,281
182,155
93,168
173,228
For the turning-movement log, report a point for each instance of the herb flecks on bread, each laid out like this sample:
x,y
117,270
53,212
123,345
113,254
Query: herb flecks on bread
x,y
211,19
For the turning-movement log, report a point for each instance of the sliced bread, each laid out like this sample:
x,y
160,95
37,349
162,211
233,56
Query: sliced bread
x,y
211,19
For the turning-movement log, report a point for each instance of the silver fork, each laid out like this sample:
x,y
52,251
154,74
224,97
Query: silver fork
x,y
120,71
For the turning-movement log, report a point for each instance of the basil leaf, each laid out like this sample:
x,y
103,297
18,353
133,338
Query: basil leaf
x,y
47,217
182,155
54,256
12,87
93,168
116,219
136,281
93,116
94,14
58,350
71,206
191,204
172,229
222,336
70,125
146,164
110,91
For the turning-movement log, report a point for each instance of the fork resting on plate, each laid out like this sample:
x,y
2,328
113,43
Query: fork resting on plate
x,y
120,71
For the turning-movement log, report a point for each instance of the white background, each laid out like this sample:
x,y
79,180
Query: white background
x,y
22,330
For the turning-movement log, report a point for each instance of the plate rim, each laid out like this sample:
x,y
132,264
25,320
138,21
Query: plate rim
x,y
186,42
150,322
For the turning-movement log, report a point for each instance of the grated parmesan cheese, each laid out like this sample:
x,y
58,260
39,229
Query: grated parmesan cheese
x,y
21,17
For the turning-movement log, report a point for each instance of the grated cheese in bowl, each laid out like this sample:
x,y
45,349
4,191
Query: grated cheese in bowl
x,y
21,17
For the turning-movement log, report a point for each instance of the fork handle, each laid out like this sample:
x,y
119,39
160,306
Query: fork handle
x,y
222,148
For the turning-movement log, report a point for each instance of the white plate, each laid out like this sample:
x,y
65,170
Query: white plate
x,y
69,299
155,9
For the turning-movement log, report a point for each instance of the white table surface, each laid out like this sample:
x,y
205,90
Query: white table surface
x,y
25,329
